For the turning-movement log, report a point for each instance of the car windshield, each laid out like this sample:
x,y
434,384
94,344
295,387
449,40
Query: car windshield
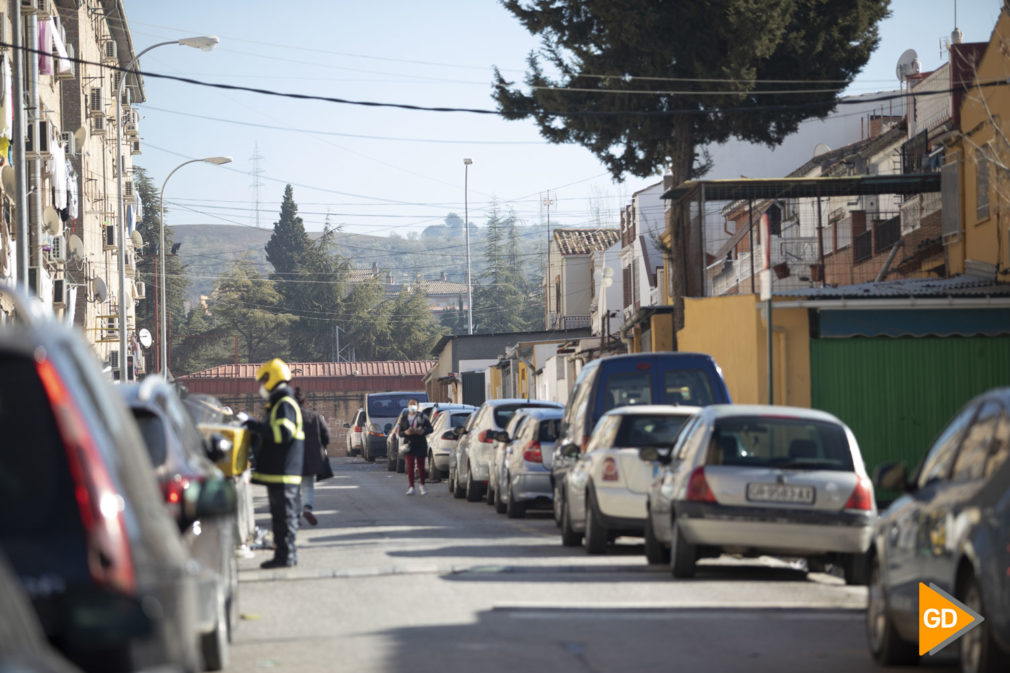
x,y
152,429
387,406
503,413
779,442
640,430
549,430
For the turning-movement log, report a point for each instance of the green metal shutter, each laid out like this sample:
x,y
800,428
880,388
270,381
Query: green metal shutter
x,y
473,388
897,394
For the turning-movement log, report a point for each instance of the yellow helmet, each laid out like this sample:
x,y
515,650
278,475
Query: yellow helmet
x,y
272,374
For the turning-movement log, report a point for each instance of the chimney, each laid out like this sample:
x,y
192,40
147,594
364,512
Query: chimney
x,y
389,278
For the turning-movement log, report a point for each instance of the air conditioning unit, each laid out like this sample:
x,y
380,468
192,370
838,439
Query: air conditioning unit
x,y
98,126
60,292
135,147
96,102
128,189
69,141
45,7
71,72
42,149
114,359
29,6
109,236
110,51
141,292
57,249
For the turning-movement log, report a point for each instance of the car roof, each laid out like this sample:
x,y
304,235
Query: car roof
x,y
543,413
653,409
520,401
717,411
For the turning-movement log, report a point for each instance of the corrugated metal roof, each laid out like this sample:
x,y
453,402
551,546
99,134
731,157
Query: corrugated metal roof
x,y
430,287
958,286
794,188
325,370
585,241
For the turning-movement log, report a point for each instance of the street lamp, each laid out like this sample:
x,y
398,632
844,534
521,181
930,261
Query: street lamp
x,y
203,43
163,327
466,229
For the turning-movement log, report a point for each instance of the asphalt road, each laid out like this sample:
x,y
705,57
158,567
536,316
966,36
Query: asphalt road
x,y
388,582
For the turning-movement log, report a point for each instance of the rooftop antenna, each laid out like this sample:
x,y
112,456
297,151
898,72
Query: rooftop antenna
x,y
256,172
956,36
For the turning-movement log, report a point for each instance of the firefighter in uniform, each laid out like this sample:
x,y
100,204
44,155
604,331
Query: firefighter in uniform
x,y
279,458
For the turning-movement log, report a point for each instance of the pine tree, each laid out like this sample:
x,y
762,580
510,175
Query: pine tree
x,y
247,304
289,243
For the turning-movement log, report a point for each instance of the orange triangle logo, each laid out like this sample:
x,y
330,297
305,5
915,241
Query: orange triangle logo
x,y
942,619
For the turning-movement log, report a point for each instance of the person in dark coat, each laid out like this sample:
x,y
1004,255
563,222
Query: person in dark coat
x,y
414,427
317,438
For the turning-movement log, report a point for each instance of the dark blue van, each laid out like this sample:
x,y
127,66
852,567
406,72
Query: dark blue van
x,y
692,379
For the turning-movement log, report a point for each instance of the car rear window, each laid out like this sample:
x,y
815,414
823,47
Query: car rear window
x,y
503,413
627,389
549,430
458,420
152,429
687,386
641,430
36,489
780,442
390,406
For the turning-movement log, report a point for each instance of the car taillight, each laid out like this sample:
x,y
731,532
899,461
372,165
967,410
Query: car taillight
x,y
532,453
101,506
610,469
697,487
862,496
585,443
357,428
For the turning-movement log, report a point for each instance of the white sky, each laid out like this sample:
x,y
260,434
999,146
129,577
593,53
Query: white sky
x,y
376,170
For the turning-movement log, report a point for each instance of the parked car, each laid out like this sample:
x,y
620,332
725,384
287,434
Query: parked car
x,y
381,409
76,473
761,479
443,438
496,459
523,477
473,451
183,460
604,493
356,433
691,379
951,528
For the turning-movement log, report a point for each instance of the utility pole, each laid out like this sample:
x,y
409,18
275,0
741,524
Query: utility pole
x,y
256,172
546,202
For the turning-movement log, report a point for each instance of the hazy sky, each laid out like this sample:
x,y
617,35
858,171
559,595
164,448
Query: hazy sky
x,y
377,170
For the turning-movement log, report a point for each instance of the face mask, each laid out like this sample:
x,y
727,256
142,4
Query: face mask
x,y
412,408
264,393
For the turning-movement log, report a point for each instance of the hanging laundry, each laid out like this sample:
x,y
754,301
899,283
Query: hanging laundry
x,y
46,47
63,58
130,219
6,99
72,206
58,171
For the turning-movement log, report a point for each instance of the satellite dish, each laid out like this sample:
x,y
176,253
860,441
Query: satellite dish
x,y
80,135
138,240
7,178
908,65
98,288
145,338
821,148
52,220
75,247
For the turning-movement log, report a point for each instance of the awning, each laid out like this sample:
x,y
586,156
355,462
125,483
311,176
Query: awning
x,y
915,323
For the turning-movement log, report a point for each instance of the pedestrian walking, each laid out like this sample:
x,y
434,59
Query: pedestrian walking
x,y
414,427
317,437
279,457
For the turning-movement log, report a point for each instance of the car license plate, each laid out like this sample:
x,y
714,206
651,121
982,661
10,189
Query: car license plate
x,y
780,493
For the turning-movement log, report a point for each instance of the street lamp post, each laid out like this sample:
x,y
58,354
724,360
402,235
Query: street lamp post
x,y
204,43
163,326
466,230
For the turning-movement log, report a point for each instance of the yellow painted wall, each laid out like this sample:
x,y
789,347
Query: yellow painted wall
x,y
495,387
733,331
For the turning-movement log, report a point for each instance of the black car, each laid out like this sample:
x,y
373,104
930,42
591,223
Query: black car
x,y
182,461
951,528
84,525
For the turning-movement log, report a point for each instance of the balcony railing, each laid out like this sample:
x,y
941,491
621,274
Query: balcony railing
x,y
555,321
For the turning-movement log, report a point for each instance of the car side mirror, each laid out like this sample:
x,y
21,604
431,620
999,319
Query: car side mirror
x,y
450,435
659,454
216,498
570,450
891,476
347,425
217,448
501,436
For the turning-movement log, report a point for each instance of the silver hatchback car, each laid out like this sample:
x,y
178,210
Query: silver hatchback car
x,y
759,479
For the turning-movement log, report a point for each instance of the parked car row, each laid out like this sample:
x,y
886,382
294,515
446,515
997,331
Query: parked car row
x,y
105,489
650,446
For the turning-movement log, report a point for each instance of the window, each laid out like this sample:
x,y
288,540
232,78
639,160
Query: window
x,y
794,443
153,432
548,430
982,184
458,420
627,389
660,430
937,463
971,459
690,439
687,386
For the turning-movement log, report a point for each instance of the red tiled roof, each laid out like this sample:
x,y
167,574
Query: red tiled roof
x,y
323,370
585,241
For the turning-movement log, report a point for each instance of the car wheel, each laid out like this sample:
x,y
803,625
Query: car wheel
x,y
513,508
214,645
368,455
569,536
458,490
473,490
886,646
683,556
655,552
390,461
401,465
500,505
491,493
854,569
556,505
434,474
596,533
979,652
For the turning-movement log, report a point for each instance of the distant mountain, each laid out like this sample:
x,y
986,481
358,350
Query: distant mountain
x,y
207,250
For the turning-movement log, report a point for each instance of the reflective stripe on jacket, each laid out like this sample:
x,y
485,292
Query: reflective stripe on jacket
x,y
282,447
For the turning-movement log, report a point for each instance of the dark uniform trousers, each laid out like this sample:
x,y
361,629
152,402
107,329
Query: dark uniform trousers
x,y
285,506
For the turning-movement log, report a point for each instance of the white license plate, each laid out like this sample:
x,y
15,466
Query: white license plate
x,y
759,492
